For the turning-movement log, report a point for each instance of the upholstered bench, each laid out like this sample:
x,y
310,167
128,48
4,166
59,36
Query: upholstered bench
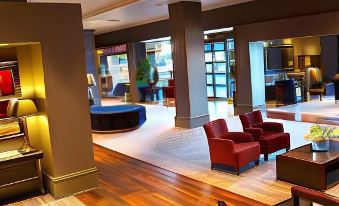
x,y
117,118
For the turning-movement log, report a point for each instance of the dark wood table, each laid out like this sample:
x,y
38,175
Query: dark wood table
x,y
20,176
317,170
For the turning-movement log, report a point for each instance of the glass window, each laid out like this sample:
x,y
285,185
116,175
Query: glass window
x,y
209,79
220,67
209,68
220,56
208,47
208,57
230,44
159,54
220,79
210,92
219,46
220,91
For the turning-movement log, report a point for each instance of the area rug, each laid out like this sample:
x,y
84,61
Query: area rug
x,y
185,152
48,200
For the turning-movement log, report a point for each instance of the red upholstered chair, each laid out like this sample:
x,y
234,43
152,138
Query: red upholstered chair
x,y
270,135
169,92
235,149
309,196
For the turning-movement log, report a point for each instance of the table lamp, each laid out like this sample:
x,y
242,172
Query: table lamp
x,y
90,83
22,109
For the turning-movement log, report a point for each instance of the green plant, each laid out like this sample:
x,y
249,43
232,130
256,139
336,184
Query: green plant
x,y
318,133
143,72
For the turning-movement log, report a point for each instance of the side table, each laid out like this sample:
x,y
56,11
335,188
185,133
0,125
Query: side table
x,y
20,176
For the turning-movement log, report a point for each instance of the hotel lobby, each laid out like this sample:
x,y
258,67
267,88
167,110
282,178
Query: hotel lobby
x,y
169,102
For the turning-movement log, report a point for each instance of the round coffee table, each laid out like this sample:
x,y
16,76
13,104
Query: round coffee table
x,y
118,118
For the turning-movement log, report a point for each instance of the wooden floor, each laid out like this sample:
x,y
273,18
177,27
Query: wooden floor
x,y
127,181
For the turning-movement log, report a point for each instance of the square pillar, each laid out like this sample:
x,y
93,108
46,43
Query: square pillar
x,y
189,64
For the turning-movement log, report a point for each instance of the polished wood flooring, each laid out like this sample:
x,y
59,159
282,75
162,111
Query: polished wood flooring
x,y
128,181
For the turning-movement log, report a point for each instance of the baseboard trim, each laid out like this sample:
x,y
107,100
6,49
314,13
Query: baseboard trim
x,y
192,122
71,183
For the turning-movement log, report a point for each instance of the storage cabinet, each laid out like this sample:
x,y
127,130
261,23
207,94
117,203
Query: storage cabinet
x,y
20,176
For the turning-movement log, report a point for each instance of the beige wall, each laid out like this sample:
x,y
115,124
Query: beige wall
x,y
305,46
313,25
64,134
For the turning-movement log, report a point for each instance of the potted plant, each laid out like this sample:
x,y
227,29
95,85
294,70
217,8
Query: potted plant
x,y
143,72
320,135
154,77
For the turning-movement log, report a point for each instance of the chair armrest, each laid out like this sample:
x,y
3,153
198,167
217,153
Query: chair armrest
x,y
273,126
221,145
255,132
312,195
258,125
238,137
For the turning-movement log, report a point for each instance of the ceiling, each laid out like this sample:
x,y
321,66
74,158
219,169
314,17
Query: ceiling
x,y
111,15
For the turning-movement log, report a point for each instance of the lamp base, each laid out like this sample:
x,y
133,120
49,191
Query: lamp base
x,y
26,148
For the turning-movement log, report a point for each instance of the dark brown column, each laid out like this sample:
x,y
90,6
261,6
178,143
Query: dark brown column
x,y
136,52
91,63
189,64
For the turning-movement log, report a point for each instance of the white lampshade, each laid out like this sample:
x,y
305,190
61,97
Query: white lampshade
x,y
25,107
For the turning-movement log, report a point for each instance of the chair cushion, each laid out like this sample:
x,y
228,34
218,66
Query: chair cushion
x,y
246,147
247,152
272,141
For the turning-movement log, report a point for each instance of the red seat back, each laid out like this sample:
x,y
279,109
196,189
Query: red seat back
x,y
171,82
215,128
251,118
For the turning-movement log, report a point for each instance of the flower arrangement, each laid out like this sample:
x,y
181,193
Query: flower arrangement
x,y
319,133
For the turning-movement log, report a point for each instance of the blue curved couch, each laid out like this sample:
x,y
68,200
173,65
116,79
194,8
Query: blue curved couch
x,y
117,118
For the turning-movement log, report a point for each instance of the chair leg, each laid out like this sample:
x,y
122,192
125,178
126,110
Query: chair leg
x,y
257,162
238,172
266,157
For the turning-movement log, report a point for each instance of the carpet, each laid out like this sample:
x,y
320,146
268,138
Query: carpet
x,y
48,200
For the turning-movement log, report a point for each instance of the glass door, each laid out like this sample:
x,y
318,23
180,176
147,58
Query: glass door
x,y
219,56
216,69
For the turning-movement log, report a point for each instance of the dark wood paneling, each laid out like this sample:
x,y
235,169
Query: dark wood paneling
x,y
245,13
127,181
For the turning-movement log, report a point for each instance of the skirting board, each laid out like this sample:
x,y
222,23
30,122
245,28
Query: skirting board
x,y
71,183
242,108
192,122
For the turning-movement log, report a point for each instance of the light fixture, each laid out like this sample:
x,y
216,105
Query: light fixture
x,y
4,44
23,109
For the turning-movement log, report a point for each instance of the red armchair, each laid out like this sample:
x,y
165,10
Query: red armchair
x,y
301,193
235,149
270,135
169,92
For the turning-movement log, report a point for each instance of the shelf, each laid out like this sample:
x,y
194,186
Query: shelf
x,y
11,136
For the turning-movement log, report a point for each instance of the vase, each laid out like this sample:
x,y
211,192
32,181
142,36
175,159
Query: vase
x,y
321,146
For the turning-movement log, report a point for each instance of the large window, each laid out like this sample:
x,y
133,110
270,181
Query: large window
x,y
160,55
219,57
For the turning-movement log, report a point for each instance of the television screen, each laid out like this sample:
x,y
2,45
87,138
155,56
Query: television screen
x,y
279,58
